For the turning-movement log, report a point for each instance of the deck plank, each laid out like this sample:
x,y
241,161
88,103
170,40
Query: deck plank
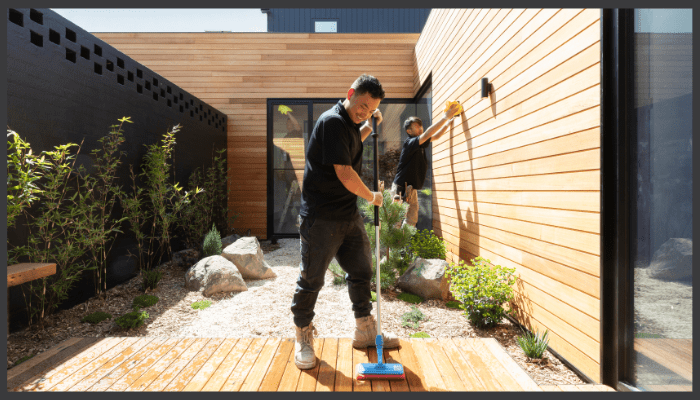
x,y
95,364
48,379
344,366
116,365
449,375
178,383
113,376
142,367
392,356
307,380
272,379
481,369
254,379
225,369
46,360
512,367
469,378
568,388
177,366
411,367
498,371
238,375
202,376
359,356
326,373
163,363
550,388
433,378
670,356
290,377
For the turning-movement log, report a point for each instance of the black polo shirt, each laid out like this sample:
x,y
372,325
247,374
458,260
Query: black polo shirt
x,y
413,163
335,139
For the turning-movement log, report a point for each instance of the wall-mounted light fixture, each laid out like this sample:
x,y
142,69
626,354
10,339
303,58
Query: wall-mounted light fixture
x,y
485,87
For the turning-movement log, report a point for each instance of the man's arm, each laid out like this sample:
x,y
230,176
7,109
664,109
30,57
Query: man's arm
x,y
436,127
442,130
352,182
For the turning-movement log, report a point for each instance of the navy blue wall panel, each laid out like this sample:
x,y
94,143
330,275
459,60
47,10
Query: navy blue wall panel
x,y
350,20
52,100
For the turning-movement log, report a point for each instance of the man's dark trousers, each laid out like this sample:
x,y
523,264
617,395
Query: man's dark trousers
x,y
321,240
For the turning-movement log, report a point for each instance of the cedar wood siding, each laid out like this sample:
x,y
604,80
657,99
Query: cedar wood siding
x,y
517,178
238,72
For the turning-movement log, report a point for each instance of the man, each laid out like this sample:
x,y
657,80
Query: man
x,y
413,163
330,224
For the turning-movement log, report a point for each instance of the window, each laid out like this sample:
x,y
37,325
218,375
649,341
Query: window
x,y
326,26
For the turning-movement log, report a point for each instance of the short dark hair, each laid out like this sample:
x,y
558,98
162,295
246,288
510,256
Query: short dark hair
x,y
407,123
368,84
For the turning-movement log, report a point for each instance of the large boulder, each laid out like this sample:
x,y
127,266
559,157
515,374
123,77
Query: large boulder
x,y
248,257
426,278
673,261
214,274
229,240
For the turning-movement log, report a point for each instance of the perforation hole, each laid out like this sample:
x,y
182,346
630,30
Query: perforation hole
x,y
139,73
170,104
36,39
84,52
98,69
130,76
54,36
155,96
16,17
182,109
70,35
110,65
139,88
155,82
120,63
97,50
36,16
120,79
147,85
70,55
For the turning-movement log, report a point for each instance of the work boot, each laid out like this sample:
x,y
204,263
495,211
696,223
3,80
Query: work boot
x,y
304,356
366,334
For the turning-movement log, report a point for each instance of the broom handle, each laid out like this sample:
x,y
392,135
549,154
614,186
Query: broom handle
x,y
375,136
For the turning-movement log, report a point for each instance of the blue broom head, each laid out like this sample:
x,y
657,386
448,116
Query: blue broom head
x,y
380,371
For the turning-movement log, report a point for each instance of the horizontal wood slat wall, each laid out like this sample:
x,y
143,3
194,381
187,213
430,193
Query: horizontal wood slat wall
x,y
517,179
238,72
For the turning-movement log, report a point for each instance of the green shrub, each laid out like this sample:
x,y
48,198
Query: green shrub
x,y
338,273
410,298
96,317
133,319
533,345
412,318
212,243
145,300
374,296
425,244
482,290
151,278
201,305
453,304
420,335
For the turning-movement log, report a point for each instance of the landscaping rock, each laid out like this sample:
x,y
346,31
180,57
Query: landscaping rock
x,y
214,274
426,278
185,258
673,261
248,257
229,240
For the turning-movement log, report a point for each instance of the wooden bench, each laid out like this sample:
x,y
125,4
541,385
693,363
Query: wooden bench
x,y
26,272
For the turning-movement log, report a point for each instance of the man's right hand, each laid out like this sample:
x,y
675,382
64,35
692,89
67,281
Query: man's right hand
x,y
452,111
378,199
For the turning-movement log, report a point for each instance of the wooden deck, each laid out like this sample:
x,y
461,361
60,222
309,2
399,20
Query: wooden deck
x,y
267,364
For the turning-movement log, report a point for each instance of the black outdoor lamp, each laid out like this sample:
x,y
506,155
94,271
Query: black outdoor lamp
x,y
485,87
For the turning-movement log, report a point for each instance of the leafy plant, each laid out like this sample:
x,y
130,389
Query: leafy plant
x,y
151,278
201,305
96,317
133,319
420,335
212,243
427,192
145,300
374,296
100,197
410,298
453,304
338,273
412,318
533,345
425,244
482,289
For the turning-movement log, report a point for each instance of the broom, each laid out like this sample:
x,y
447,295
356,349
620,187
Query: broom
x,y
379,370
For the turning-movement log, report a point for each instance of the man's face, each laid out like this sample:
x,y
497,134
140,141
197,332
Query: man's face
x,y
361,107
415,129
